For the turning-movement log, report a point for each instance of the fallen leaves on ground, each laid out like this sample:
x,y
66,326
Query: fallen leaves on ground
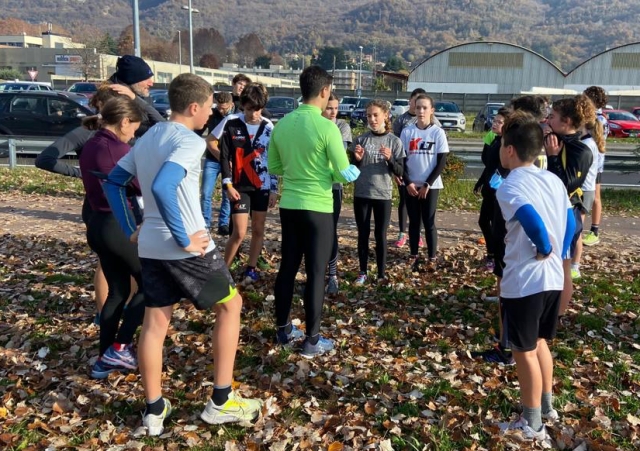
x,y
400,377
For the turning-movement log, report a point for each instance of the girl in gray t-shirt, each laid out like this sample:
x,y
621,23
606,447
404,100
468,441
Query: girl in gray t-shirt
x,y
379,155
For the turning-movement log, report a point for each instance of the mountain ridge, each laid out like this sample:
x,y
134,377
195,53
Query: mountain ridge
x,y
565,32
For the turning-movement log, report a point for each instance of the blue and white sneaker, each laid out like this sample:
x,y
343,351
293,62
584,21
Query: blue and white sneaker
x,y
125,358
284,338
101,369
323,346
251,274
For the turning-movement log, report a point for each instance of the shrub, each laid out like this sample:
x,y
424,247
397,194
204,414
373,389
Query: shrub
x,y
10,74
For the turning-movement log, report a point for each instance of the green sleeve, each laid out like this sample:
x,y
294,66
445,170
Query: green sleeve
x,y
274,163
489,137
336,154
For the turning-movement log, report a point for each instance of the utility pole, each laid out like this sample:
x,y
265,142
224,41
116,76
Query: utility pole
x,y
180,49
136,28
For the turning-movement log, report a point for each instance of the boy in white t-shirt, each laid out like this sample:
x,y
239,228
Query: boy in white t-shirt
x,y
179,259
540,226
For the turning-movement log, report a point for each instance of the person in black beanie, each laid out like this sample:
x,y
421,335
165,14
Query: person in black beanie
x,y
134,72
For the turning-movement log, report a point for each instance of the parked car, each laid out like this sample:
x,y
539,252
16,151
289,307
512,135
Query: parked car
x,y
399,106
622,124
25,86
83,88
359,113
39,113
160,99
484,118
279,107
346,106
450,116
636,111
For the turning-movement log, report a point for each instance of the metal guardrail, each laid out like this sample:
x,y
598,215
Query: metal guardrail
x,y
620,157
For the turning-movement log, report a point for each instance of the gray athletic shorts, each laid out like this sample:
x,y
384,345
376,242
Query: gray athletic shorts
x,y
588,197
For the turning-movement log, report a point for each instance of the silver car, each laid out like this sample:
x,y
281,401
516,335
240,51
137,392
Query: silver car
x,y
450,116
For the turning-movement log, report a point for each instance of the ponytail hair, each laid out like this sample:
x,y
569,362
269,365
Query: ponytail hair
x,y
113,112
384,106
596,130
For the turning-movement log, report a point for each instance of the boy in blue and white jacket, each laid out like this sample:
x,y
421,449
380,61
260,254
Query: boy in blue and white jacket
x,y
540,226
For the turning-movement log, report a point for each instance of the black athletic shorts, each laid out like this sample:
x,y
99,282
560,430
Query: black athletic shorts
x,y
526,319
251,201
205,281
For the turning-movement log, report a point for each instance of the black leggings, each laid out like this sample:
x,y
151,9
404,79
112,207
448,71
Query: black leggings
x,y
337,206
423,211
381,209
119,260
498,233
402,208
486,219
309,234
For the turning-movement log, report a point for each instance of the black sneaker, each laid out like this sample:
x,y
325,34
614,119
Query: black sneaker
x,y
223,230
495,355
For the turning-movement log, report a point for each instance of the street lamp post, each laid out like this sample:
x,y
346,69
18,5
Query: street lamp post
x,y
360,74
191,12
180,49
136,28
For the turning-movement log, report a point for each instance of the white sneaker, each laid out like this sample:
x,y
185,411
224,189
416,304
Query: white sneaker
x,y
155,423
235,410
551,415
528,432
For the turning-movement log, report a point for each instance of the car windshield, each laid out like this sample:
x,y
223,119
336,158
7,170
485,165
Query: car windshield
x,y
14,87
401,103
361,103
160,98
622,116
83,88
493,110
281,102
447,108
349,100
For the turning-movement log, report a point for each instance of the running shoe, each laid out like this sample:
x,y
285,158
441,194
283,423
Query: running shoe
x,y
522,425
155,423
235,410
251,274
402,240
323,346
332,285
125,358
284,338
101,369
362,278
420,242
551,415
495,355
590,239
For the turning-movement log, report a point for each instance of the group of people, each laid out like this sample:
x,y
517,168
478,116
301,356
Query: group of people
x,y
148,215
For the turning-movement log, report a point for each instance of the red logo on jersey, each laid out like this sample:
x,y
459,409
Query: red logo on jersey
x,y
413,144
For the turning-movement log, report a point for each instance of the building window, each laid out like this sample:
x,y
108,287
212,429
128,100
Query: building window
x,y
468,59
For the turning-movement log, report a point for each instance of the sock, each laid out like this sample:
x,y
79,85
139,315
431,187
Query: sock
x,y
313,340
155,407
594,229
220,394
533,415
575,266
119,346
547,402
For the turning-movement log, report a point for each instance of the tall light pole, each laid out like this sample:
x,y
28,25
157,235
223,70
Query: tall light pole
x,y
360,75
191,12
180,49
136,28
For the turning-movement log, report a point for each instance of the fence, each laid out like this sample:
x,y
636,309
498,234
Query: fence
x,y
22,151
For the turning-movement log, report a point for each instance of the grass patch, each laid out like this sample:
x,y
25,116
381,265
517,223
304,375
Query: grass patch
x,y
591,322
37,181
